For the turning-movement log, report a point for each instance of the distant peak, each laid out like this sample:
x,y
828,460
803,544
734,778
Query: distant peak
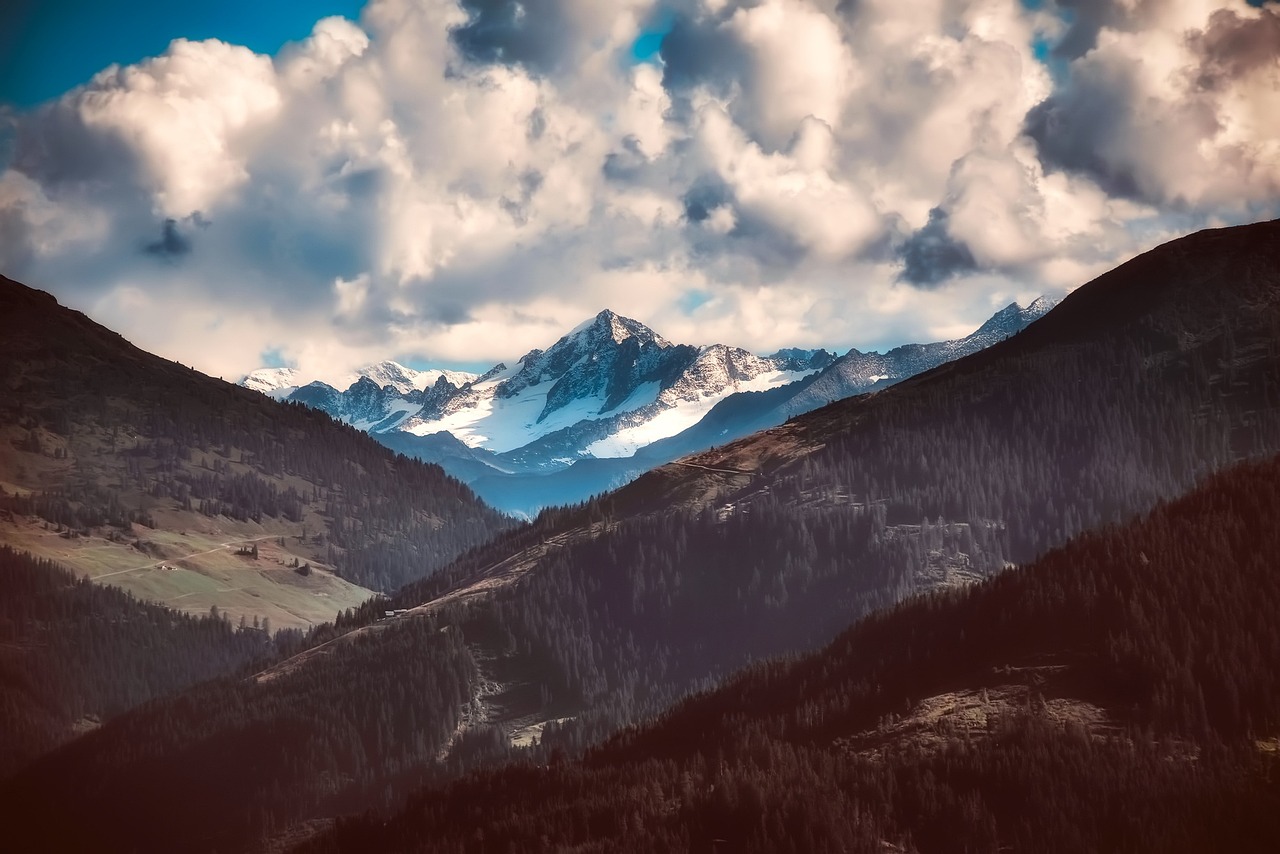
x,y
384,365
1041,306
1013,318
270,380
609,324
491,373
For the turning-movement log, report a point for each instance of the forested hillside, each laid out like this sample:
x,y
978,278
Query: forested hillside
x,y
101,436
231,763
74,654
606,614
1119,694
1137,385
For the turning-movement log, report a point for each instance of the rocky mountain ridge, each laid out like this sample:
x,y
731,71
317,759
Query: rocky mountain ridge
x,y
606,402
553,406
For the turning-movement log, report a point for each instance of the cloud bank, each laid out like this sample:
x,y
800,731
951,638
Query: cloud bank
x,y
457,182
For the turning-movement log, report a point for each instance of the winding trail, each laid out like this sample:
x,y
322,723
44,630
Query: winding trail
x,y
710,469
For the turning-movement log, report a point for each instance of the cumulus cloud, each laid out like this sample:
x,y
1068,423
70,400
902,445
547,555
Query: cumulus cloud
x,y
459,181
1178,105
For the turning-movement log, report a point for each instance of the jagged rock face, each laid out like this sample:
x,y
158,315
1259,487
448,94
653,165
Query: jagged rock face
x,y
719,367
280,382
605,359
1009,320
364,404
433,400
796,359
407,380
497,369
611,359
319,395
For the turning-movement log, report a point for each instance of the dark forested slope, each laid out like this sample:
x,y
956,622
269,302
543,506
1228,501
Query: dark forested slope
x,y
100,434
1119,694
74,654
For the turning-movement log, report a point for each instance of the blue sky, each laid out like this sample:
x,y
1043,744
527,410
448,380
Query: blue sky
x,y
49,46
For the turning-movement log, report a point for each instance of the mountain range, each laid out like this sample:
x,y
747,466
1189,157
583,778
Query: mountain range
x,y
606,402
553,638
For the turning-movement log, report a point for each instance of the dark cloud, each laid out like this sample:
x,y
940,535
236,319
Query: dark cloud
x,y
627,165
754,243
301,249
518,208
1087,18
534,33
8,134
537,124
1101,124
15,241
362,183
705,195
173,244
1073,127
55,148
700,52
1232,46
772,247
931,255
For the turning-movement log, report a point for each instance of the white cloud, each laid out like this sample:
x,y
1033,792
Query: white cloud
x,y
181,114
421,185
1178,105
802,66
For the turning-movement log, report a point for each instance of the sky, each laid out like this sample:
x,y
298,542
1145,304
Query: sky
x,y
455,182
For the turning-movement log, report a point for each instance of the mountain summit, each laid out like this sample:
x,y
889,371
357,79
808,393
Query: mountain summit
x,y
601,361
617,328
1009,320
608,375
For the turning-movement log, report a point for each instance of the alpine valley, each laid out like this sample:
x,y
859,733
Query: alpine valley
x,y
650,427
1020,597
605,403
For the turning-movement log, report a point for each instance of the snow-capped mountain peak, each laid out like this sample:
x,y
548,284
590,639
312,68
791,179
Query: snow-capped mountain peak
x,y
403,379
1013,318
609,375
1040,306
273,382
601,358
375,397
616,328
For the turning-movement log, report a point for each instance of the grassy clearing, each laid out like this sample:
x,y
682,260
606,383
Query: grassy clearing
x,y
195,570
